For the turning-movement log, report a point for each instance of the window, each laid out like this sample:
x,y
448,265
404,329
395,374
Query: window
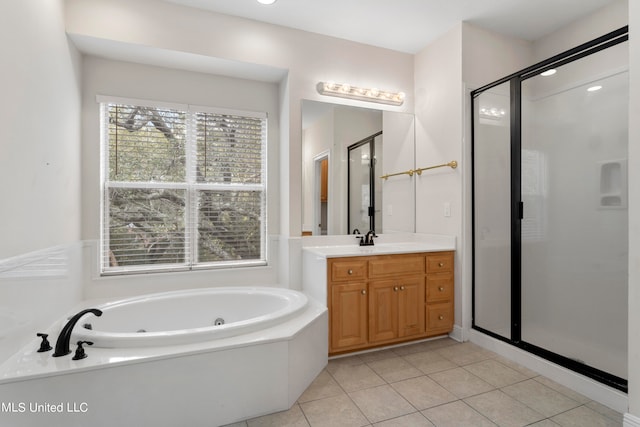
x,y
183,187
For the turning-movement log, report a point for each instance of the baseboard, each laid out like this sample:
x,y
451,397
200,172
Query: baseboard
x,y
592,389
631,420
458,334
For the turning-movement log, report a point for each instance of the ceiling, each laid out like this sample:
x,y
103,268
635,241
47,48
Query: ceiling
x,y
407,25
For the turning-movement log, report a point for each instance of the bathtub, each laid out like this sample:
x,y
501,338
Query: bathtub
x,y
185,317
202,357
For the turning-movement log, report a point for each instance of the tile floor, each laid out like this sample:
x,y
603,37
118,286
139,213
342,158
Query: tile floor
x,y
436,383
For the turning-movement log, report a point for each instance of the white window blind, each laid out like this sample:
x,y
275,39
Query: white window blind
x,y
183,188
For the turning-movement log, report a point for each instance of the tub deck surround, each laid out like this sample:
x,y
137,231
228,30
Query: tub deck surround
x,y
211,382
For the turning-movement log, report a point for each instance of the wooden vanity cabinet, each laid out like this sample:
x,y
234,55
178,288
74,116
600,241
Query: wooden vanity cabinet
x,y
440,293
385,299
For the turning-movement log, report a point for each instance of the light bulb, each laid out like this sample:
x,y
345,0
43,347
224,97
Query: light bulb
x,y
266,1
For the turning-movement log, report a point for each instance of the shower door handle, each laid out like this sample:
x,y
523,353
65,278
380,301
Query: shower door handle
x,y
520,209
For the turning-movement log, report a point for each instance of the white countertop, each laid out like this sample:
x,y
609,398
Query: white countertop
x,y
384,244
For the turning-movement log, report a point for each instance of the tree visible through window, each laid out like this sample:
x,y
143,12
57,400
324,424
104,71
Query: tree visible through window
x,y
182,188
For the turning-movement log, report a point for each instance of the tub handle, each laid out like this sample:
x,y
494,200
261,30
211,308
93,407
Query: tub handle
x,y
80,354
44,345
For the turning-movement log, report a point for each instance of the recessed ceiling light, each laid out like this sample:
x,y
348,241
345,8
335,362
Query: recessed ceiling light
x,y
594,88
547,73
267,1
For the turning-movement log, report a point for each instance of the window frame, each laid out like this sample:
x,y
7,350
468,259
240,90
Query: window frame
x,y
191,187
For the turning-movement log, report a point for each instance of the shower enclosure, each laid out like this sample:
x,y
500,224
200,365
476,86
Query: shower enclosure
x,y
550,209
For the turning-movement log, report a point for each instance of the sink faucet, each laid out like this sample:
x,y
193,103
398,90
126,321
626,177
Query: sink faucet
x,y
368,238
62,344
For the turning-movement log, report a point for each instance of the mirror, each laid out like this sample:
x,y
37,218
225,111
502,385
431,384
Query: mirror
x,y
345,151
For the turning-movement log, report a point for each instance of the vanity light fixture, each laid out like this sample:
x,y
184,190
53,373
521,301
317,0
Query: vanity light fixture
x,y
345,90
266,1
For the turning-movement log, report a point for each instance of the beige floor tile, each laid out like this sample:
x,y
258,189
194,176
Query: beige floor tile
x,y
540,398
495,373
544,423
423,392
356,377
394,369
342,362
456,414
377,355
465,353
323,386
461,382
606,411
412,420
429,362
424,346
381,403
291,418
584,417
516,367
571,394
334,411
503,410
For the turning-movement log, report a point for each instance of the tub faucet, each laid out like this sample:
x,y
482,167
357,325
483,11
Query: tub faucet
x,y
62,344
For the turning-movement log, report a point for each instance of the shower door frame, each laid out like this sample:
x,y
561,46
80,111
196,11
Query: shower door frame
x,y
516,204
371,142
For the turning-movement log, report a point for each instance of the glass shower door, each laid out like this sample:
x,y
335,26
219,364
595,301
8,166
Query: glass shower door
x,y
492,220
574,228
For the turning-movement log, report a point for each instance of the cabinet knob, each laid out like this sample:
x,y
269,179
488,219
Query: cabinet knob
x,y
363,292
441,264
350,272
402,288
395,289
441,317
441,288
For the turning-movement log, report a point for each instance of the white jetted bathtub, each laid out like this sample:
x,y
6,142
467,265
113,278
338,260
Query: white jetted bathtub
x,y
186,317
201,357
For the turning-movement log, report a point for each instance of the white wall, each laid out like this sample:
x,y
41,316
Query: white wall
x,y
39,136
398,155
124,79
308,58
634,211
39,170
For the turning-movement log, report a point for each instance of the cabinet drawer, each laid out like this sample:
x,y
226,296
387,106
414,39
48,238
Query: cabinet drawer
x,y
440,262
385,266
348,269
439,317
439,287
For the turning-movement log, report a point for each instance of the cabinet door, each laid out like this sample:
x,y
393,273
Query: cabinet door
x,y
348,315
411,302
383,310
